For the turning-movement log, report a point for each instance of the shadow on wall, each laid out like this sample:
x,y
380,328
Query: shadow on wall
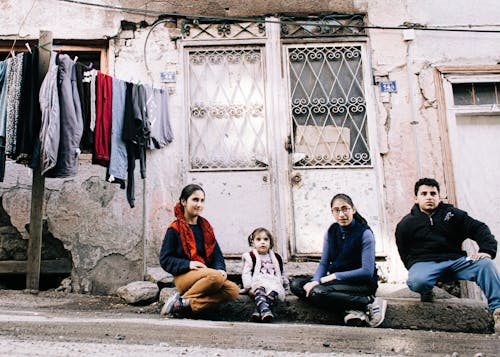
x,y
56,261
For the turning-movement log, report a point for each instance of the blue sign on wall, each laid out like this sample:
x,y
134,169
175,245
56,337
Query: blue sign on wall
x,y
388,86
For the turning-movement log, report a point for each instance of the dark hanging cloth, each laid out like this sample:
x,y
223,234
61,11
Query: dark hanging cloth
x,y
83,87
29,121
136,134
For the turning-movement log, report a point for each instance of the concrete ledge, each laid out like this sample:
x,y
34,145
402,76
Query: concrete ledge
x,y
445,314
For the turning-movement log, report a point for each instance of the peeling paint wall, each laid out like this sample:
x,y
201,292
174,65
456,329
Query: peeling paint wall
x,y
428,50
92,218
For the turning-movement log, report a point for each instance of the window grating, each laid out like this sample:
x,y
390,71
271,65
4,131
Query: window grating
x,y
328,107
227,120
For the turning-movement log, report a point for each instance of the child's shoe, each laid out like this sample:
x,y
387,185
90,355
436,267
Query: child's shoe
x,y
267,316
355,318
255,317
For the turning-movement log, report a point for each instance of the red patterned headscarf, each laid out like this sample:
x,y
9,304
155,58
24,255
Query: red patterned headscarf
x,y
187,236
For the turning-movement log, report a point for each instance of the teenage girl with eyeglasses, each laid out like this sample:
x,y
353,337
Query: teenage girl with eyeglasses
x,y
346,279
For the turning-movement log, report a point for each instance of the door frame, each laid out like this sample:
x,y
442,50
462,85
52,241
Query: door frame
x,y
272,74
444,77
372,136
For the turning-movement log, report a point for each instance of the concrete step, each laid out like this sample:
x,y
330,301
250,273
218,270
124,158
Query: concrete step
x,y
404,311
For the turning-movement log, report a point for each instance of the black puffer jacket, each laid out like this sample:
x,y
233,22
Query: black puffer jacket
x,y
439,237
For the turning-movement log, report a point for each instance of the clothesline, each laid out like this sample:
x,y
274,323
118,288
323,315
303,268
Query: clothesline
x,y
76,108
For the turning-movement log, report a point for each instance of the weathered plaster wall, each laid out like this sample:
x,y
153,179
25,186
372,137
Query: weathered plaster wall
x,y
394,112
93,219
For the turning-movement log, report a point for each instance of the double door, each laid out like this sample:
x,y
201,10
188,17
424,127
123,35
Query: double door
x,y
271,140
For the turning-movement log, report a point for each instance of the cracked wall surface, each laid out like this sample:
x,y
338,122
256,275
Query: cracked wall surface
x,y
92,218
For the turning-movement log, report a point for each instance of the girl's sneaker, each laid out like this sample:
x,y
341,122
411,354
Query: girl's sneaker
x,y
255,317
267,316
376,311
355,318
168,307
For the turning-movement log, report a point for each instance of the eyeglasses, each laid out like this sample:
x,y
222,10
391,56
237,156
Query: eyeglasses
x,y
343,209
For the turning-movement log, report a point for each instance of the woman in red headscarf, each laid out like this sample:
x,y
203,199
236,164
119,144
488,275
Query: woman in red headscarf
x,y
191,254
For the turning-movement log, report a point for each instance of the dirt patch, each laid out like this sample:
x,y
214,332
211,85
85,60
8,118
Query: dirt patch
x,y
51,299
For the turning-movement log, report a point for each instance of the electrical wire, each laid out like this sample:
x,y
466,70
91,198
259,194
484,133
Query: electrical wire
x,y
21,26
260,19
145,45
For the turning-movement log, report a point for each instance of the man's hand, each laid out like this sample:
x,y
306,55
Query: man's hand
x,y
309,286
478,256
223,273
195,265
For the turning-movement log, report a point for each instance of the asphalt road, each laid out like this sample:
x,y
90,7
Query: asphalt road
x,y
53,332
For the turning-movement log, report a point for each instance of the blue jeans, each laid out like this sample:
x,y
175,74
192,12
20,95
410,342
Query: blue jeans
x,y
423,276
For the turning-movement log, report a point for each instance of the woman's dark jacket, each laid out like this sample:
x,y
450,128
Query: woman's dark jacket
x,y
174,260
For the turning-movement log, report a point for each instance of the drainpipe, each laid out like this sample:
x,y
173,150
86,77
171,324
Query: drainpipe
x,y
409,36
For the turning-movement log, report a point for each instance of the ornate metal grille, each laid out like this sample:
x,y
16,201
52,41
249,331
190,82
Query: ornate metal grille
x,y
327,26
328,108
227,122
198,30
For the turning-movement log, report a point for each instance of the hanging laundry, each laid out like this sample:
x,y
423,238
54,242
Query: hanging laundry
x,y
4,70
158,115
14,87
50,121
83,85
102,132
136,135
28,126
117,170
70,120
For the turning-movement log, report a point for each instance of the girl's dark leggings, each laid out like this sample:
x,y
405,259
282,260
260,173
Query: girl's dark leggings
x,y
335,295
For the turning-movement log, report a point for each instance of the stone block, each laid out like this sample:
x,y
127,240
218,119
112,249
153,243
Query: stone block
x,y
138,292
158,275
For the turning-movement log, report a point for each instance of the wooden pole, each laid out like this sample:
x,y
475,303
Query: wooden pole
x,y
38,186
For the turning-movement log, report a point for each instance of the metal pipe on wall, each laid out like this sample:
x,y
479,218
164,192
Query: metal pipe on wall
x,y
409,36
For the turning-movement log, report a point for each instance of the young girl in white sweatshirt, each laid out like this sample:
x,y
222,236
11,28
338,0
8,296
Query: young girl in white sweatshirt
x,y
263,275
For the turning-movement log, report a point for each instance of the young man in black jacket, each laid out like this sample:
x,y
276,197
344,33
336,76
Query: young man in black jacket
x,y
429,241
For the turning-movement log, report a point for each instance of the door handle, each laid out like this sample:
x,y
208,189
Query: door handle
x,y
288,144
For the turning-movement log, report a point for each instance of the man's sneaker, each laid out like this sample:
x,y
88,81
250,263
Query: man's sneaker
x,y
267,316
427,297
376,311
355,318
496,318
168,307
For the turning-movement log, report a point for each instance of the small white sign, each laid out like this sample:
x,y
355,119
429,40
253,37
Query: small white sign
x,y
168,77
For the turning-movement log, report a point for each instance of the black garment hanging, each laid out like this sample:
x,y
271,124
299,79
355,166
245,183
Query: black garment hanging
x,y
29,122
83,87
136,134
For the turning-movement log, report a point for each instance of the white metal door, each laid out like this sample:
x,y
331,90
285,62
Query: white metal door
x,y
477,168
228,144
329,141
